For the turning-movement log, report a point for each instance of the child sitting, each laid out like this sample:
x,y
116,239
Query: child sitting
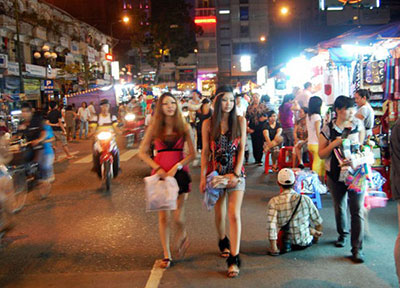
x,y
300,138
305,227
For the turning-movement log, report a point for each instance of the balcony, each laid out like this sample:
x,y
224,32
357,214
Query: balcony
x,y
203,12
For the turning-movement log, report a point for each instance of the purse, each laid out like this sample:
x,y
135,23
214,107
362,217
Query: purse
x,y
161,194
283,242
183,178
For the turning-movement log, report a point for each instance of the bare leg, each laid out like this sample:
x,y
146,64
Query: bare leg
x,y
179,217
235,225
220,216
163,217
66,150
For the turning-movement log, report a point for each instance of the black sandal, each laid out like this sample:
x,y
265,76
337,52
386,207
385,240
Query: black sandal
x,y
224,247
166,263
234,263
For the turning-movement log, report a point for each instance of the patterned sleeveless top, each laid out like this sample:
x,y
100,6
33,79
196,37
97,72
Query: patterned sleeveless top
x,y
226,151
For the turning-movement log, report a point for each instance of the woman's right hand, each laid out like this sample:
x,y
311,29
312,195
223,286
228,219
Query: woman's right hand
x,y
203,183
161,172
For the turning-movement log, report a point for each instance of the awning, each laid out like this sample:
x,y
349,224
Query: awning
x,y
364,35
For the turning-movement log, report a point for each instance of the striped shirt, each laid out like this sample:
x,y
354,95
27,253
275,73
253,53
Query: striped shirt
x,y
280,209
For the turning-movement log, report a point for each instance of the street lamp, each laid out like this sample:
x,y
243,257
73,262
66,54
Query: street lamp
x,y
126,19
47,54
284,10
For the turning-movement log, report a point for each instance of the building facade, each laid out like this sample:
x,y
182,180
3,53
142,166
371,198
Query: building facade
x,y
53,46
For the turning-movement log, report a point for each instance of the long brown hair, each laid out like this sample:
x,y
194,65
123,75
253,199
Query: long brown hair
x,y
233,122
159,119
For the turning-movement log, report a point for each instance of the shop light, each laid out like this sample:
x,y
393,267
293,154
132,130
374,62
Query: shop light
x,y
224,11
245,63
205,20
335,8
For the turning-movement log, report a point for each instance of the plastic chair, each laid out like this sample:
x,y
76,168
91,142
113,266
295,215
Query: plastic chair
x,y
283,161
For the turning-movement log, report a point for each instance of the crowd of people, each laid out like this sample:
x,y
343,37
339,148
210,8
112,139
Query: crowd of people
x,y
219,127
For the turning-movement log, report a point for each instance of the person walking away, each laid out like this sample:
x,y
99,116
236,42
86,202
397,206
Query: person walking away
x,y
329,139
83,114
169,132
70,123
54,119
194,107
256,116
395,185
224,140
286,118
273,137
314,124
92,117
300,134
305,222
365,112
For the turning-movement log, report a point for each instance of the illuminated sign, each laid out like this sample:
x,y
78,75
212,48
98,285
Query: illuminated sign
x,y
205,20
109,57
339,4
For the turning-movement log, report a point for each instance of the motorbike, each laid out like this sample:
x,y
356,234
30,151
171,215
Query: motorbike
x,y
134,129
107,150
25,174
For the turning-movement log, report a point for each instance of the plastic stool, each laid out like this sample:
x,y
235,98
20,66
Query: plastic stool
x,y
282,161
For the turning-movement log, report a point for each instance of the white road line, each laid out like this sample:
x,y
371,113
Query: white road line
x,y
62,157
128,155
155,275
85,160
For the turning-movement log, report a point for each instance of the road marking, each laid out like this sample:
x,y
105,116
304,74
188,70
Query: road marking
x,y
155,275
62,157
85,160
128,155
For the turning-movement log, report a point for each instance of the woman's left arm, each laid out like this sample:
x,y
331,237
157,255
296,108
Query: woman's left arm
x,y
318,127
242,145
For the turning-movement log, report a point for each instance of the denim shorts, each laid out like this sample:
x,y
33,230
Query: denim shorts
x,y
241,186
46,163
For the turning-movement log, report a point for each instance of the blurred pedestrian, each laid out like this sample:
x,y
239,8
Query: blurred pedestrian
x,y
365,112
224,137
70,124
256,117
204,114
83,114
314,124
300,134
286,118
169,132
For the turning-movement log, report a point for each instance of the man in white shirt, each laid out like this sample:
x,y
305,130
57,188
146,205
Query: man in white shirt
x,y
83,113
304,97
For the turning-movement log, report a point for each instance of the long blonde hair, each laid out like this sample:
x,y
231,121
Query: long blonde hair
x,y
159,119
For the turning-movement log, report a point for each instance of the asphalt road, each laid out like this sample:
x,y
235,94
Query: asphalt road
x,y
80,237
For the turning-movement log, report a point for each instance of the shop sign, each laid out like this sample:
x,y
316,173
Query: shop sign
x,y
74,47
91,53
32,88
35,70
3,60
13,68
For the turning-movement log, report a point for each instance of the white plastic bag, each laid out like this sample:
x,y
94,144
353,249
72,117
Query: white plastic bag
x,y
161,194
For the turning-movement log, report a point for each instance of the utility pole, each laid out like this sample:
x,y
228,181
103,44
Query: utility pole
x,y
21,80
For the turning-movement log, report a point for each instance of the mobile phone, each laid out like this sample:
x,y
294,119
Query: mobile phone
x,y
346,133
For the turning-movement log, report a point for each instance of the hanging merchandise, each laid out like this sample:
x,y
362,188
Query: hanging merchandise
x,y
374,73
396,92
328,86
356,76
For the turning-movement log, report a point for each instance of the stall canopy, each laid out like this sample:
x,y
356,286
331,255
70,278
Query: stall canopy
x,y
364,35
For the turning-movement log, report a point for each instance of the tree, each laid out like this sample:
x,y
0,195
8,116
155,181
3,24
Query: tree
x,y
171,32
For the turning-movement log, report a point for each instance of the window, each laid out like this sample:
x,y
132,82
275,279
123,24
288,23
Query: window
x,y
226,49
243,1
244,13
244,31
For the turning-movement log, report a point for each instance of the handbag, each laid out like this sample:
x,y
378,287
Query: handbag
x,y
161,194
283,242
183,178
212,191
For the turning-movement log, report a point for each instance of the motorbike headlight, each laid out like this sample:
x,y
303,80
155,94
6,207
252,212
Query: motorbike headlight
x,y
130,117
104,136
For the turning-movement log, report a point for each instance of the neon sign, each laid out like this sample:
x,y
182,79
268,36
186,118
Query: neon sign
x,y
205,20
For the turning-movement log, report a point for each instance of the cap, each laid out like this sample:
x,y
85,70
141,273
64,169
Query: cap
x,y
286,177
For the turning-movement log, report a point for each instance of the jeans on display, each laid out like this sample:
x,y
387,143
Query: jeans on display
x,y
84,125
341,196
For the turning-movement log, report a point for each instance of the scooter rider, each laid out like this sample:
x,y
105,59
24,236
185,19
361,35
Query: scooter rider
x,y
105,122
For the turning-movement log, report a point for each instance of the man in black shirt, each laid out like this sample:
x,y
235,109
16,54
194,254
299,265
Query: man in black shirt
x,y
55,121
